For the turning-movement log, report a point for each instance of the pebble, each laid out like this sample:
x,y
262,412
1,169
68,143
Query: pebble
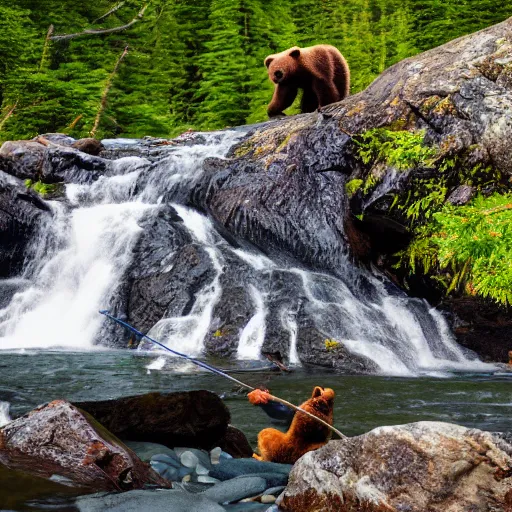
x,y
268,498
202,456
236,489
189,460
215,455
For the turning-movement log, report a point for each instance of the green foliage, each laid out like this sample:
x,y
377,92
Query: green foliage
x,y
195,64
402,150
471,245
352,186
43,189
331,344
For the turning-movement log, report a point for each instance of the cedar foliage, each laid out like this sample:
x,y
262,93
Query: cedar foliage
x,y
195,64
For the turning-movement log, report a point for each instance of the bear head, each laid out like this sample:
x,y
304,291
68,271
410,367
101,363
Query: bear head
x,y
283,66
321,401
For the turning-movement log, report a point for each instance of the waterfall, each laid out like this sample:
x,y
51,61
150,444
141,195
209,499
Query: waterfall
x,y
78,261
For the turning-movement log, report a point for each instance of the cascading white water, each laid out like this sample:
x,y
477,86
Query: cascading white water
x,y
4,413
79,256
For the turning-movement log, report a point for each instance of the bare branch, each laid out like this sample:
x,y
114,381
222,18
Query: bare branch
x,y
112,11
9,114
108,85
45,47
95,32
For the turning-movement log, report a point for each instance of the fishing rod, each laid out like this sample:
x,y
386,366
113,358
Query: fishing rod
x,y
212,369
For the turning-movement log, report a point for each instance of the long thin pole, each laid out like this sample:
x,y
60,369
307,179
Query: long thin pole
x,y
217,371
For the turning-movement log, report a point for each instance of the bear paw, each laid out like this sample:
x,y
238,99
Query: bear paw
x,y
258,397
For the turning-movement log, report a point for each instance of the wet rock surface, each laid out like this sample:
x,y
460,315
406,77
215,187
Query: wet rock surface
x,y
60,440
198,419
415,467
21,210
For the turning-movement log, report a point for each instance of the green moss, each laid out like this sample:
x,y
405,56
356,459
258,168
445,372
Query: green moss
x,y
352,186
402,150
44,189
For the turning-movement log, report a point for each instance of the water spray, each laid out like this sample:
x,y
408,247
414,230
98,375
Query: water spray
x,y
212,369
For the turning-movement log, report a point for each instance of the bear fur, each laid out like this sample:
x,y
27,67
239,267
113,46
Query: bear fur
x,y
320,71
305,433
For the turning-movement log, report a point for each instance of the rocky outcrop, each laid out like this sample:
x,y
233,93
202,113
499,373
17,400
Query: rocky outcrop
x,y
50,162
197,419
20,212
416,467
59,439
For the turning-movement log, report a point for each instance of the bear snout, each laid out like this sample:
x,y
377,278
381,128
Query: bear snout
x,y
278,76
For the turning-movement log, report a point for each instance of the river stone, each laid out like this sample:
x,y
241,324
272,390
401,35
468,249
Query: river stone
x,y
194,418
148,501
272,479
192,457
170,460
237,467
416,467
146,451
236,489
59,439
248,506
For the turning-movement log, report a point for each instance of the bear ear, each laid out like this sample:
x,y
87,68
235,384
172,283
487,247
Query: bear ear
x,y
318,391
268,61
295,52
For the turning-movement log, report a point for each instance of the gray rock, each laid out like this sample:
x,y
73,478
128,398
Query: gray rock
x,y
215,455
145,450
189,460
461,195
249,506
416,467
148,501
168,459
207,479
236,489
228,469
275,490
272,479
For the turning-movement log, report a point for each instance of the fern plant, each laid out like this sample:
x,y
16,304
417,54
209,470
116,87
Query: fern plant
x,y
471,245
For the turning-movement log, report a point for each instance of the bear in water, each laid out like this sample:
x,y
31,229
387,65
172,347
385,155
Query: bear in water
x,y
305,433
320,71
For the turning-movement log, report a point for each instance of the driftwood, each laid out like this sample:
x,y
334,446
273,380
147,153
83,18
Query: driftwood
x,y
96,32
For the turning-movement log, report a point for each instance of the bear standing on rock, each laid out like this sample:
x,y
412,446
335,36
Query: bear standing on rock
x,y
320,71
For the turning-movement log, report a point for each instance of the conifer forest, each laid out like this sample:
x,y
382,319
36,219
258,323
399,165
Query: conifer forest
x,y
159,67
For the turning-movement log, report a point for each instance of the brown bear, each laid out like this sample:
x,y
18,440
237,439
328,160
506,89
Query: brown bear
x,y
320,71
305,433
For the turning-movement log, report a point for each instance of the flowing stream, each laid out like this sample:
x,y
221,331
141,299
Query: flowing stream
x,y
79,257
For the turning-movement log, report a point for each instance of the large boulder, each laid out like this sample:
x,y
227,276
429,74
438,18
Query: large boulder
x,y
416,467
51,162
196,419
58,439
